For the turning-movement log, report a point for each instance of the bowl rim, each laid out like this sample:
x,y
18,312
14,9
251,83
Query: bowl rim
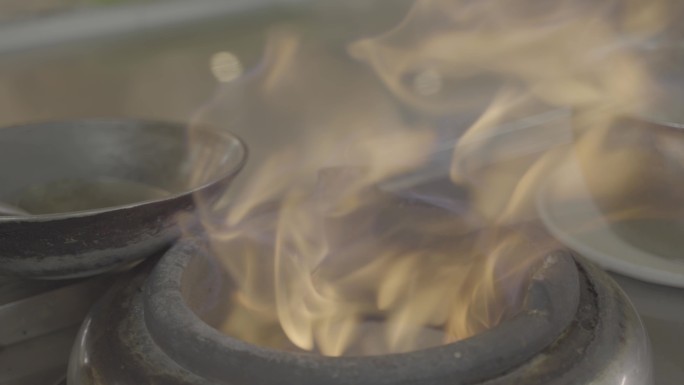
x,y
224,175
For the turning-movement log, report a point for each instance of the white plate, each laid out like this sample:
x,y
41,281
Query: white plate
x,y
567,221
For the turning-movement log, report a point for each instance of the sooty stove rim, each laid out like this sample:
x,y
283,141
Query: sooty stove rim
x,y
605,338
550,305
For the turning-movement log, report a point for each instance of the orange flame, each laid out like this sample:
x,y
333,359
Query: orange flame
x,y
324,261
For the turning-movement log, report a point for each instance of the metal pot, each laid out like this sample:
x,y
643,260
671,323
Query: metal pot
x,y
104,193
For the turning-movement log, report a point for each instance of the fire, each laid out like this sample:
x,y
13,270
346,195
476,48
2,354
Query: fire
x,y
323,258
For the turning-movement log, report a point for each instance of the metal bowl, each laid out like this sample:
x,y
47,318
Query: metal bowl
x,y
103,194
40,321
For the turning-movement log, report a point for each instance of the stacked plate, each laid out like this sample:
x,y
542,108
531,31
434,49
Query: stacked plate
x,y
570,213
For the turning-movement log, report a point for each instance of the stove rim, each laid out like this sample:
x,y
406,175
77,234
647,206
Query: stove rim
x,y
174,326
228,174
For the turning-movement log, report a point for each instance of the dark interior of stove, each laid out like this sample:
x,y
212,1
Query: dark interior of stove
x,y
113,163
215,295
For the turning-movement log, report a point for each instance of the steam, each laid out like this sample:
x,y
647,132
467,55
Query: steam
x,y
320,255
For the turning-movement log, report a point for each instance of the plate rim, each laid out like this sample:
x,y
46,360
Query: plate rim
x,y
605,260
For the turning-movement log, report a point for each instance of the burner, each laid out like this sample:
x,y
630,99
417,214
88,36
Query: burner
x,y
576,326
103,194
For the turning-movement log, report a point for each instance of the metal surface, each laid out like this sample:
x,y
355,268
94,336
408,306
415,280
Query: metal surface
x,y
88,160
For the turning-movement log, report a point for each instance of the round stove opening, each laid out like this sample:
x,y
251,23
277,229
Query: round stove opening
x,y
395,276
361,326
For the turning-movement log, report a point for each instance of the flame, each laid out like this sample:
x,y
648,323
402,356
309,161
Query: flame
x,y
322,259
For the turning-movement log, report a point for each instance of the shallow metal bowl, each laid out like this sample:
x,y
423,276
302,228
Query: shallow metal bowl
x,y
104,193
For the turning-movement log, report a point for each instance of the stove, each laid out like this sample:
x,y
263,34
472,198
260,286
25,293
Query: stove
x,y
575,326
